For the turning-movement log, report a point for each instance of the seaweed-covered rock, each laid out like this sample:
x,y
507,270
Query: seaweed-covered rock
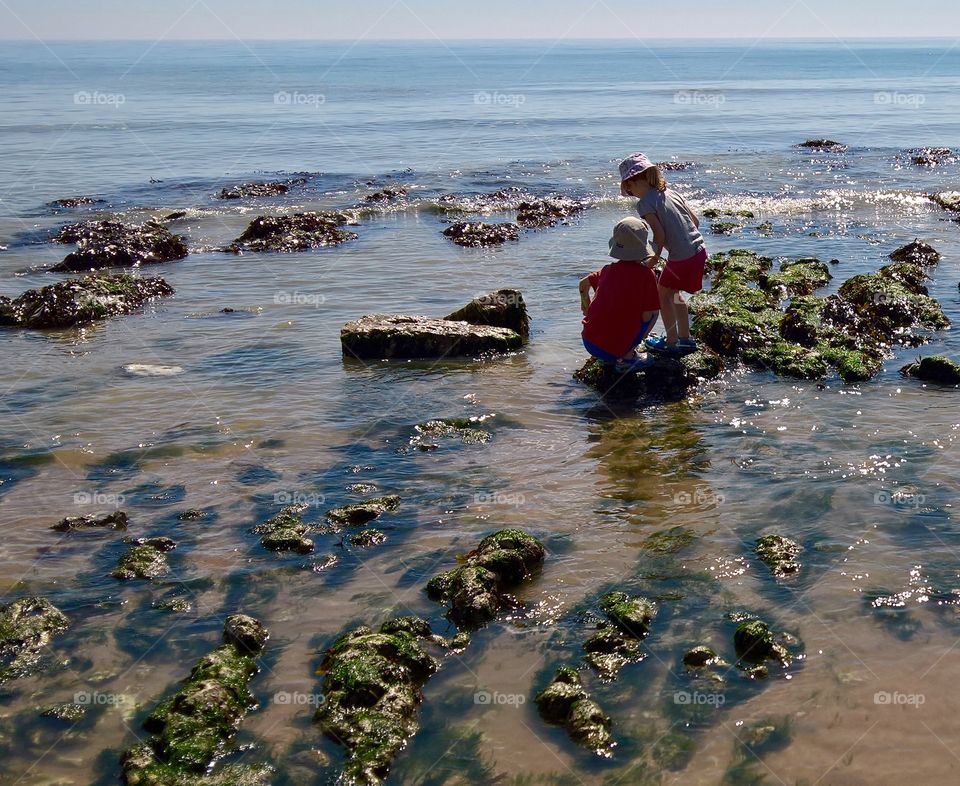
x,y
382,336
564,702
504,309
700,657
477,234
194,727
801,277
70,202
68,712
386,195
372,686
631,615
245,633
889,305
948,200
725,227
80,301
609,650
756,643
368,538
289,234
541,213
476,590
248,190
932,156
917,253
144,561
465,430
112,521
823,144
936,368
27,626
286,531
360,513
103,244
779,554
665,379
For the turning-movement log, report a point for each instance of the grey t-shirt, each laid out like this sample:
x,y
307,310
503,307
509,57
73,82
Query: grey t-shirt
x,y
683,238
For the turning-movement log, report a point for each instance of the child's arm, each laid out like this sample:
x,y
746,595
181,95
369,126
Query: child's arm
x,y
585,294
659,237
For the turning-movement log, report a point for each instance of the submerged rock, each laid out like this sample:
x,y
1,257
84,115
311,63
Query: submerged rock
x,y
756,643
385,195
286,532
247,190
541,213
465,430
360,513
477,589
504,308
823,144
937,369
932,156
477,234
69,202
80,301
144,561
245,633
609,650
917,253
948,200
700,657
372,686
27,627
112,521
194,727
725,227
368,538
631,615
565,702
779,553
103,244
380,336
289,234
666,379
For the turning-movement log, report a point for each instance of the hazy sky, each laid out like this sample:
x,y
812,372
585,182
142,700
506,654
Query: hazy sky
x,y
448,19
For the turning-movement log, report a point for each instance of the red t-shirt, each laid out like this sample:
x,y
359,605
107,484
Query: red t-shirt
x,y
623,291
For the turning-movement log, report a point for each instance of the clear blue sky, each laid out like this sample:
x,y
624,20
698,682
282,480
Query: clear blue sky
x,y
452,19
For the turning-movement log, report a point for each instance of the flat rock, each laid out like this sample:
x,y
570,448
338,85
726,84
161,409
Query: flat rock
x,y
102,244
293,233
504,308
81,301
477,234
383,336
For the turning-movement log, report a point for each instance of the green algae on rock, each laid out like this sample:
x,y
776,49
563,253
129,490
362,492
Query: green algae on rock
x,y
194,727
918,253
609,650
937,369
143,561
725,227
372,686
80,301
756,643
245,633
465,430
361,513
477,589
665,379
286,531
565,702
368,538
700,657
669,541
504,308
103,244
631,615
112,521
27,626
779,554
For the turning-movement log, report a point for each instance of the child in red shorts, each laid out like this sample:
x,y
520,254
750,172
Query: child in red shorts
x,y
676,228
626,301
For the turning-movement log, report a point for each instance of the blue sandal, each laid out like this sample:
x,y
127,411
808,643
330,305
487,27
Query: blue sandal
x,y
637,363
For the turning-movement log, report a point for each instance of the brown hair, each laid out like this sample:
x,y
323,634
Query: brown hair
x,y
655,178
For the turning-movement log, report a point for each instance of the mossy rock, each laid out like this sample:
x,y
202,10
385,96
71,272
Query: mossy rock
x,y
801,277
853,365
779,554
245,633
564,702
286,531
670,541
788,360
465,430
756,643
373,685
700,657
145,561
27,627
937,369
725,227
608,650
116,521
361,513
368,538
918,253
631,615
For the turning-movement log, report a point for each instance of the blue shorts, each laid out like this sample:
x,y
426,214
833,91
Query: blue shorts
x,y
606,357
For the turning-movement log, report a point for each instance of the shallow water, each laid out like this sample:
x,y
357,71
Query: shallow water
x,y
266,406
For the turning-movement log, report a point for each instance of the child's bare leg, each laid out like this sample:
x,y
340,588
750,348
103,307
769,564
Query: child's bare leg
x,y
683,316
668,310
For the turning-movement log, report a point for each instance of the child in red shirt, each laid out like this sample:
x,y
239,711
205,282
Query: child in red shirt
x,y
626,302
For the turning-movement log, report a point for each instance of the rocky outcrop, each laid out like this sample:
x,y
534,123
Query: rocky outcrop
x,y
504,308
27,627
293,233
113,521
937,369
932,156
386,195
286,531
478,234
917,253
253,190
823,144
779,553
360,514
543,213
477,590
102,244
382,336
81,301
666,379
146,559
565,702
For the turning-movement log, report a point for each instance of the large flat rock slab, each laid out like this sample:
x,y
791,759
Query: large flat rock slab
x,y
384,336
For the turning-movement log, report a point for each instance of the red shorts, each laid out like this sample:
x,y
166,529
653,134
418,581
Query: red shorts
x,y
685,275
